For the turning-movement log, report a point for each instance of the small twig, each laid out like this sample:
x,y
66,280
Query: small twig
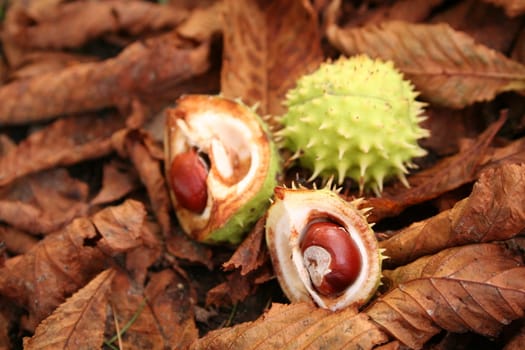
x,y
125,328
232,315
117,327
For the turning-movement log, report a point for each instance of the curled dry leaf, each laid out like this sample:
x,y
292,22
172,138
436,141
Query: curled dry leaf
x,y
512,7
251,253
64,142
141,68
249,266
117,180
202,23
72,24
27,64
151,174
445,65
477,288
79,320
261,61
63,262
491,213
44,202
238,287
298,325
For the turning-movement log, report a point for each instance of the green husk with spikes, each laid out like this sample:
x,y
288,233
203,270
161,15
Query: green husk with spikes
x,y
356,118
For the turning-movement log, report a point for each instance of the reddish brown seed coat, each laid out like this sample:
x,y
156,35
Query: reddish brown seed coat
x,y
346,259
188,181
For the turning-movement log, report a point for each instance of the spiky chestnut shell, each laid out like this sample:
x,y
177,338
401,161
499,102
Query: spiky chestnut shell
x,y
356,118
300,219
221,166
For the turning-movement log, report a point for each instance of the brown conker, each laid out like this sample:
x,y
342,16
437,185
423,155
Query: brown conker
x,y
188,174
331,256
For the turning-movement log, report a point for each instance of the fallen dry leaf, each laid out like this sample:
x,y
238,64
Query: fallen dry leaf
x,y
261,61
26,63
89,86
401,10
85,194
79,320
202,23
182,247
118,180
65,142
43,202
298,326
238,287
120,227
161,312
90,19
16,241
446,66
151,174
251,253
65,261
458,295
490,213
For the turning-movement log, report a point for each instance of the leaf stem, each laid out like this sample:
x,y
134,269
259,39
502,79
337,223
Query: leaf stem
x,y
126,326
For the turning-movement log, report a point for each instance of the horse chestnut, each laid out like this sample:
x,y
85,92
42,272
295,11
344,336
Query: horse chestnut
x,y
188,174
331,257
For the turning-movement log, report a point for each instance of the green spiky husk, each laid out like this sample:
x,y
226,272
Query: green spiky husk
x,y
355,118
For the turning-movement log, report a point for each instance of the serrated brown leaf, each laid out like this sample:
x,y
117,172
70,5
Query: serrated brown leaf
x,y
267,46
478,288
44,202
65,261
512,7
491,213
64,142
298,326
446,66
162,312
142,68
72,24
79,321
448,174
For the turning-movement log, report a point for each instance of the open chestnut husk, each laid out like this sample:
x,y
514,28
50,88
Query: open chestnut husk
x,y
322,248
221,166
